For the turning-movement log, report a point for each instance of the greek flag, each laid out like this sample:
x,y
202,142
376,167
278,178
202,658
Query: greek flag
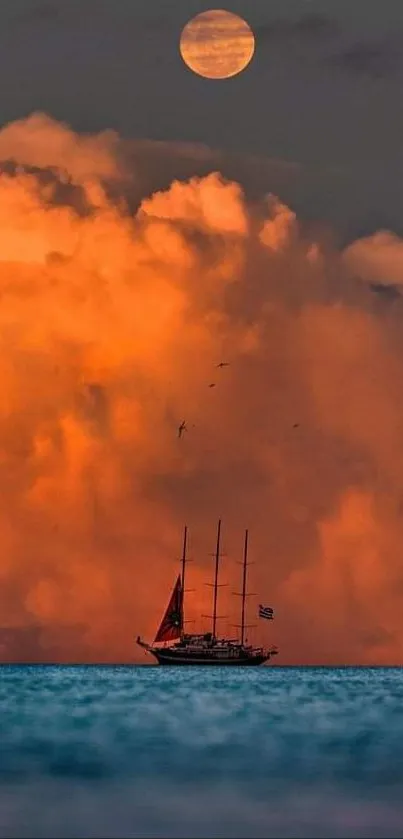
x,y
266,612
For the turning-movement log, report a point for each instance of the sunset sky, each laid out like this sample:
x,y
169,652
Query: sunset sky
x,y
152,224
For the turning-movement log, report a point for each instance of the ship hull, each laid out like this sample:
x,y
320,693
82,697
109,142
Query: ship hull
x,y
175,660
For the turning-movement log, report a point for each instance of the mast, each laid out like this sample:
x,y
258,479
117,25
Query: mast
x,y
217,559
245,555
185,535
243,594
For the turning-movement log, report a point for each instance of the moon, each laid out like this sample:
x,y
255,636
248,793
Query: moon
x,y
217,44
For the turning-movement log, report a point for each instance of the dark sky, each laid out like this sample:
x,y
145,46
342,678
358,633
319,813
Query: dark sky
x,y
323,91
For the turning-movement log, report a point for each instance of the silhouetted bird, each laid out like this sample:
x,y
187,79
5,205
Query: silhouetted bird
x,y
181,429
296,425
223,364
212,384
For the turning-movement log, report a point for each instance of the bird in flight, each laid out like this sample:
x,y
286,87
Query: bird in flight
x,y
296,425
182,428
223,364
212,384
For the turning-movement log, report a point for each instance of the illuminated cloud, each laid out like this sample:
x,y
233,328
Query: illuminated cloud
x,y
112,323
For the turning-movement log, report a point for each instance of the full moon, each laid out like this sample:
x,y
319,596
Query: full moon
x,y
217,44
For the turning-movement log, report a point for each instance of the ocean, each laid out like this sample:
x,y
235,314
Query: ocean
x,y
189,752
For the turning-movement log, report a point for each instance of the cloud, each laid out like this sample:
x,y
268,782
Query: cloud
x,y
328,43
374,60
309,27
377,258
40,142
115,310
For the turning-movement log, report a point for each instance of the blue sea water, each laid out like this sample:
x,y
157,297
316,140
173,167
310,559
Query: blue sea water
x,y
189,752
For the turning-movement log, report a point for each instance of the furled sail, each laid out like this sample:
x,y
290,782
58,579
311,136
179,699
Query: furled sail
x,y
171,626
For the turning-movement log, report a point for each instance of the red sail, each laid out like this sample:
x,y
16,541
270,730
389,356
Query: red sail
x,y
172,623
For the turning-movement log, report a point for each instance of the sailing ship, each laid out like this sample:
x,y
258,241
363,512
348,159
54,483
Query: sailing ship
x,y
180,648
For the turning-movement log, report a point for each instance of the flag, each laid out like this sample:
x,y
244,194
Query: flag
x,y
266,612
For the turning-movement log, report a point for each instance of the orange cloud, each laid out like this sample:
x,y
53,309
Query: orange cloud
x,y
112,323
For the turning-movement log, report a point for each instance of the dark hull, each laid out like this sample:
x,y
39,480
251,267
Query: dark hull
x,y
174,660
